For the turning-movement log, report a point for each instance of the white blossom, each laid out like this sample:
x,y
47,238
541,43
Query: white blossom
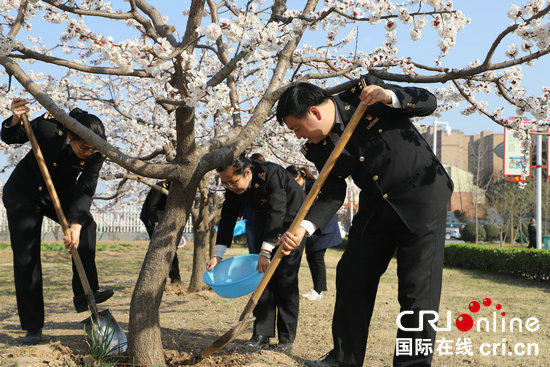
x,y
512,51
212,31
416,34
514,12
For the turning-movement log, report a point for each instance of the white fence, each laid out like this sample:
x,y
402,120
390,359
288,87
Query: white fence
x,y
124,220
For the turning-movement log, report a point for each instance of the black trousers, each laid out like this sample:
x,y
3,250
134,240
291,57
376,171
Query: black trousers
x,y
316,262
419,270
280,301
174,273
25,221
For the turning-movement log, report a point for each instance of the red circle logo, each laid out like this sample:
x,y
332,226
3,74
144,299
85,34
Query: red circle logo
x,y
464,322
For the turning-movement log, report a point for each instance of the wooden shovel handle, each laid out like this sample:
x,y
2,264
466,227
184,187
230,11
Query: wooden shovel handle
x,y
59,211
338,148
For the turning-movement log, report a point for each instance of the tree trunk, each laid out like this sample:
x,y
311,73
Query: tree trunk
x,y
213,236
144,336
512,237
202,227
200,257
477,224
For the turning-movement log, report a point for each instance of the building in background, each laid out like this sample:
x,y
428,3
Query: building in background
x,y
471,161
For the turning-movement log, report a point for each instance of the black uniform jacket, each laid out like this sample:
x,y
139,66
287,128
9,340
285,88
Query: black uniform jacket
x,y
75,179
273,195
386,157
154,203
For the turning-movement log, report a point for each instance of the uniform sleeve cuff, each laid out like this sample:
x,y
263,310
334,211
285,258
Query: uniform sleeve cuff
x,y
268,246
310,227
220,251
394,101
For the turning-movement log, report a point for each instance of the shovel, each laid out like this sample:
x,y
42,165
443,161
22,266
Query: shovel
x,y
101,328
246,318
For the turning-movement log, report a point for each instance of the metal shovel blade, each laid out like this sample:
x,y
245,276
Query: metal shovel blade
x,y
230,334
104,332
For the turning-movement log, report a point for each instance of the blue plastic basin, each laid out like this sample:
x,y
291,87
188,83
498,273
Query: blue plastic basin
x,y
234,277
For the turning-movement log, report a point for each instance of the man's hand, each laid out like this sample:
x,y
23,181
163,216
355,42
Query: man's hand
x,y
263,263
18,107
212,262
373,94
291,241
75,236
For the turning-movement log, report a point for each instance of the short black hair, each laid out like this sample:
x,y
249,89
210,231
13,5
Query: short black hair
x,y
239,165
297,100
88,120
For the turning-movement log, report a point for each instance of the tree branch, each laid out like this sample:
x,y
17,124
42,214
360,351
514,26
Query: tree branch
x,y
325,14
29,54
90,13
273,91
160,28
165,170
509,30
129,176
19,19
470,101
116,194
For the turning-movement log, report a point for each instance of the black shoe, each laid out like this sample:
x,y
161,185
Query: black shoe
x,y
81,305
328,360
258,341
33,337
284,348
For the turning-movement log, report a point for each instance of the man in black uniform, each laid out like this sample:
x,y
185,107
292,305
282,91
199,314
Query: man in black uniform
x,y
154,203
402,206
271,192
74,167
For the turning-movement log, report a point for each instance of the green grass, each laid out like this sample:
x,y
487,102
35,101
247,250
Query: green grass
x,y
187,319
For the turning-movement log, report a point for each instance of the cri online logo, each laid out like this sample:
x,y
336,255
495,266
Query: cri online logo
x,y
464,322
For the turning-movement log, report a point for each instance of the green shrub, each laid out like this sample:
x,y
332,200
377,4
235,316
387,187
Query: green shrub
x,y
523,262
492,232
468,233
101,247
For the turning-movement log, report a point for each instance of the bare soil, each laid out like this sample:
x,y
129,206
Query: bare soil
x,y
190,321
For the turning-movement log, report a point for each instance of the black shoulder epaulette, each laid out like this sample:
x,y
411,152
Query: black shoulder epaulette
x,y
305,148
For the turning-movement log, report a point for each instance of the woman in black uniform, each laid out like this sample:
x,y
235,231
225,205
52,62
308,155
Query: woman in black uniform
x,y
74,167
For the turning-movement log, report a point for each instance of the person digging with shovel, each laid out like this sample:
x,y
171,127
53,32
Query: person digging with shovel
x,y
405,191
275,198
74,165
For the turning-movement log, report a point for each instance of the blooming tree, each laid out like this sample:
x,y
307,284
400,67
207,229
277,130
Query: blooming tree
x,y
179,101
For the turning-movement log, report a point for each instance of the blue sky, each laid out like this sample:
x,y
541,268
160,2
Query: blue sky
x,y
488,20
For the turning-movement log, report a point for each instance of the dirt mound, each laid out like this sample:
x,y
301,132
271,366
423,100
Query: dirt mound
x,y
52,354
256,359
